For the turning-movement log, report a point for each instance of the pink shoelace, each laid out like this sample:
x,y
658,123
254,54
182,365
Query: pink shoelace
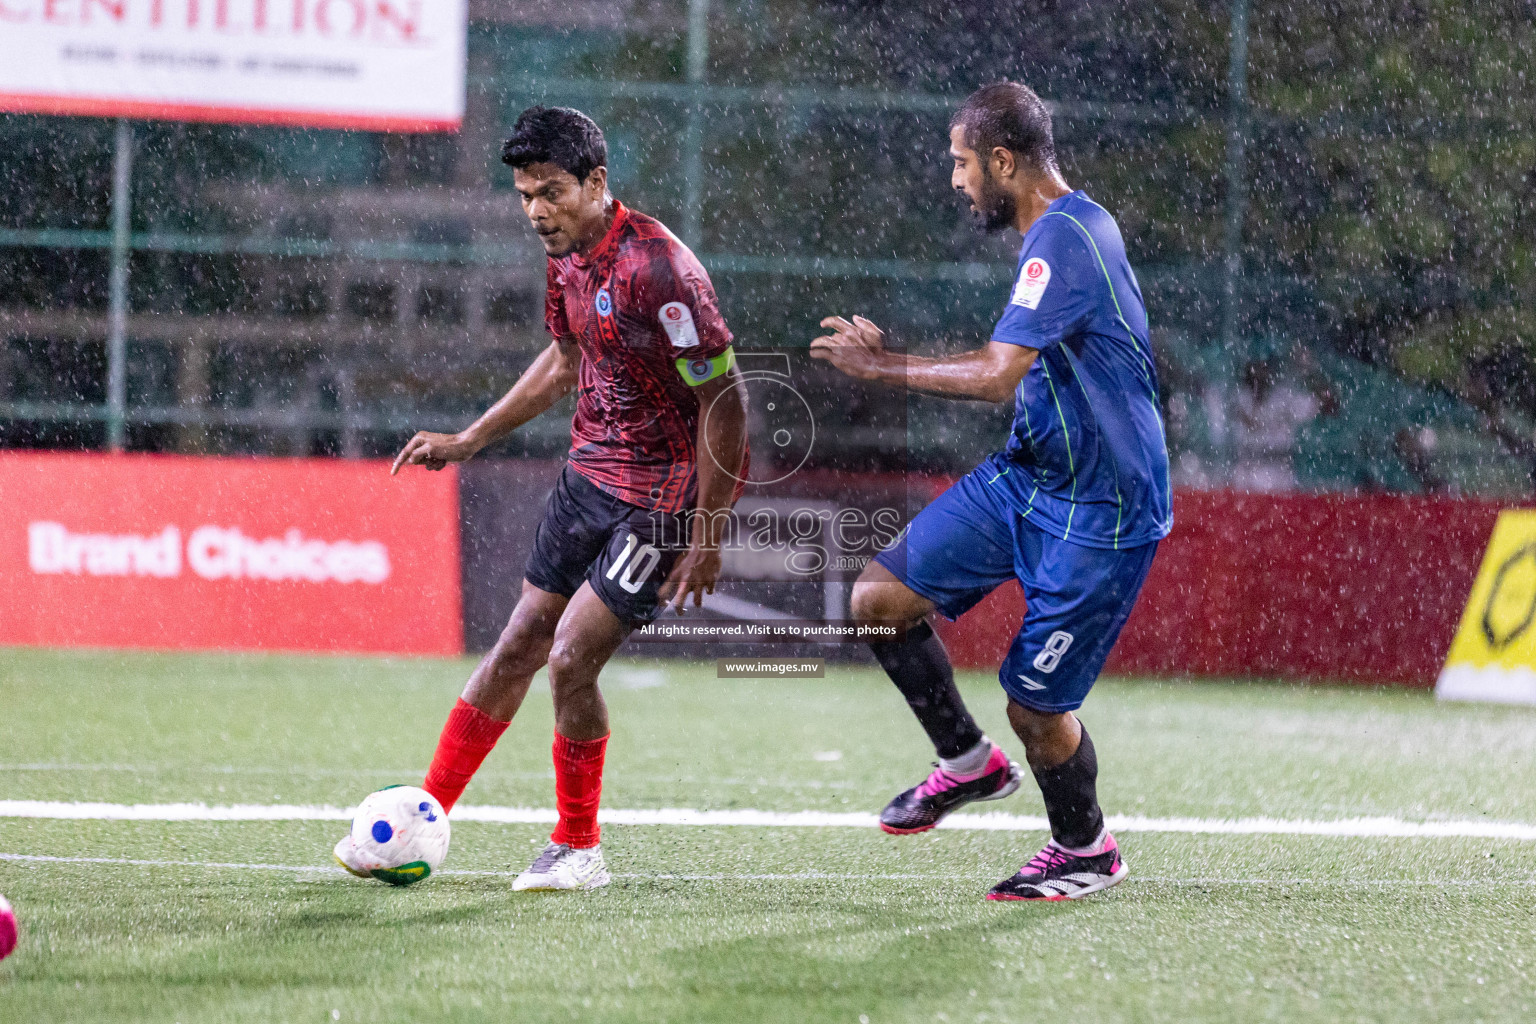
x,y
938,782
1052,856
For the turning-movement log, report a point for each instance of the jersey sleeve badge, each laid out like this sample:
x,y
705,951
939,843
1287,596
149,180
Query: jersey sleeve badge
x,y
1031,284
677,319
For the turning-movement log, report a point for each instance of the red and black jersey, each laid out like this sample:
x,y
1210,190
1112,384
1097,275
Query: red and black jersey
x,y
635,304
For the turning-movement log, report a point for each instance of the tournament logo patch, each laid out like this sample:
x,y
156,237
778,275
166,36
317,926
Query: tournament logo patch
x,y
604,302
1031,285
677,319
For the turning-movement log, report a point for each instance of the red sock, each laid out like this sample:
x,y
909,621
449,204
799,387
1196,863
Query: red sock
x,y
578,790
467,738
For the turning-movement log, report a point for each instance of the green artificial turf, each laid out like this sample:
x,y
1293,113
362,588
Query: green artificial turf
x,y
749,923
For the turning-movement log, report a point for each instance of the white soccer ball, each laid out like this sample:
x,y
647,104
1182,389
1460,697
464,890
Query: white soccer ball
x,y
401,834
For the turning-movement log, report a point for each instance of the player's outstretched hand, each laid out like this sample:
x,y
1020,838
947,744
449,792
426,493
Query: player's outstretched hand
x,y
857,348
695,573
434,451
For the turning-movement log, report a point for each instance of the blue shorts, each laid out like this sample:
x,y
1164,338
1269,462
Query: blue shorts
x,y
969,541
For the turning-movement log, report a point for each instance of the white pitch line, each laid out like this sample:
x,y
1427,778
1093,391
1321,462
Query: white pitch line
x,y
169,812
319,771
37,858
1432,884
332,869
1366,828
798,876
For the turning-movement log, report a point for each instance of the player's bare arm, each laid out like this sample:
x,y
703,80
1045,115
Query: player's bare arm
x,y
1005,165
548,379
624,300
987,374
722,438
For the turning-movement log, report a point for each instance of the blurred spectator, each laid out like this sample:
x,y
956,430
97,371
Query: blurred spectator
x,y
1192,413
1416,450
1266,414
1483,386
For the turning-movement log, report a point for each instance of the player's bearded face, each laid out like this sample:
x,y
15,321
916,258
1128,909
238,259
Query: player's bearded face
x,y
994,207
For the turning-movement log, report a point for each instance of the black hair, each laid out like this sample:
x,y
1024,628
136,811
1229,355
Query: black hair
x,y
567,138
1009,115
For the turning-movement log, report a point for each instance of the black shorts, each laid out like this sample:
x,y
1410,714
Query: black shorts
x,y
624,551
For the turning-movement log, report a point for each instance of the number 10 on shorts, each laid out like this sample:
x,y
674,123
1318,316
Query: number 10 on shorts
x,y
638,569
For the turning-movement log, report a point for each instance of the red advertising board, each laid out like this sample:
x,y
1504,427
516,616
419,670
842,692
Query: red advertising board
x,y
1365,588
164,551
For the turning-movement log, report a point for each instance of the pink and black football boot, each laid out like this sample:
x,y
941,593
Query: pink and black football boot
x,y
1056,874
925,805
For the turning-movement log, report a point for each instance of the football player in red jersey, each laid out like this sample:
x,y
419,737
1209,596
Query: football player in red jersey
x,y
638,335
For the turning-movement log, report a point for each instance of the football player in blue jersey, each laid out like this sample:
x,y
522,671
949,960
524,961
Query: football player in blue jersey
x,y
1073,506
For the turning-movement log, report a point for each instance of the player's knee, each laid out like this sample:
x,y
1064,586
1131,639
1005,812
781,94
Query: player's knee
x,y
523,633
884,602
562,662
864,602
570,666
522,646
1035,726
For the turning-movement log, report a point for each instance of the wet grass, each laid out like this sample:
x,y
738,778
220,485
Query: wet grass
x,y
749,924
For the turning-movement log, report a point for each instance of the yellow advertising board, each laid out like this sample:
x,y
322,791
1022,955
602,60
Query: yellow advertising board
x,y
1493,657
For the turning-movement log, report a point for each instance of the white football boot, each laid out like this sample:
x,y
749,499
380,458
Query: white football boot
x,y
560,867
350,857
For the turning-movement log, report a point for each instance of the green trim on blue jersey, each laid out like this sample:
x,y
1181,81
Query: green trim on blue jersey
x,y
1135,344
1113,297
1067,436
1114,462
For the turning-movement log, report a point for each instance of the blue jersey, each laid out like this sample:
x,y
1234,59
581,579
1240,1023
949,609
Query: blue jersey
x,y
1087,460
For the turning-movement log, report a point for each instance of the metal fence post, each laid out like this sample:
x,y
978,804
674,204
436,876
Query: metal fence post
x,y
346,399
1236,174
117,289
693,141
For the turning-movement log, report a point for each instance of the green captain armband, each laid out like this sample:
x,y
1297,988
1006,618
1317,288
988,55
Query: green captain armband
x,y
697,371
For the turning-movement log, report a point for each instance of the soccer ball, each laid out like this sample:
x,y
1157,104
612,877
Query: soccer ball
x,y
400,834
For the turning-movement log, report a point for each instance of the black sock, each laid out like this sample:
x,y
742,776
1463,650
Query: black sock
x,y
1071,798
919,666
